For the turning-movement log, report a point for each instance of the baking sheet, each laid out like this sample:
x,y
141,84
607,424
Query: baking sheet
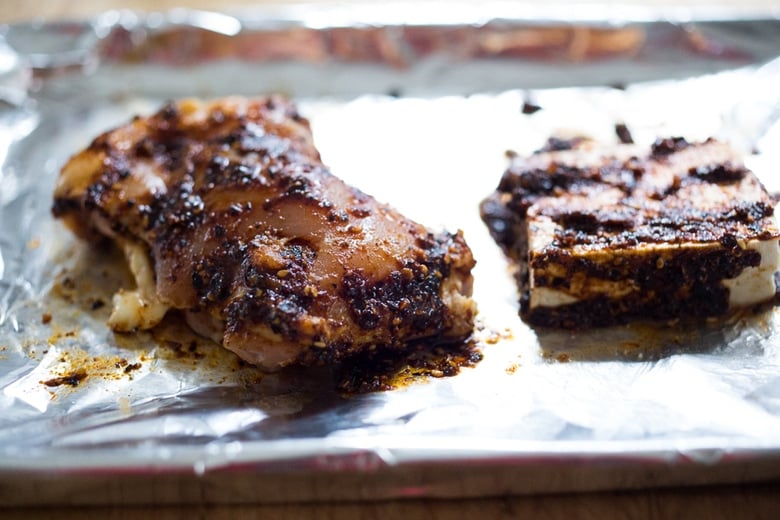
x,y
419,115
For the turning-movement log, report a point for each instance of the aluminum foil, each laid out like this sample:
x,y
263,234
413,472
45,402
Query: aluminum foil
x,y
419,114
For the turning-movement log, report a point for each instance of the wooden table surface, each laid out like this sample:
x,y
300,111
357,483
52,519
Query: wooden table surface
x,y
746,500
727,502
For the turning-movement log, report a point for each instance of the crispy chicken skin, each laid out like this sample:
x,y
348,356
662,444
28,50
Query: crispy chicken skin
x,y
226,212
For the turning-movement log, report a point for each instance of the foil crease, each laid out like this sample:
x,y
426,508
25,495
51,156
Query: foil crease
x,y
419,115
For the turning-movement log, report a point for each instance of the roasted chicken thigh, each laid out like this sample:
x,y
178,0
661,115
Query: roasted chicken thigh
x,y
225,211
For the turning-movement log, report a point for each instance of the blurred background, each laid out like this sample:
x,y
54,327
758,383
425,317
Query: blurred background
x,y
19,10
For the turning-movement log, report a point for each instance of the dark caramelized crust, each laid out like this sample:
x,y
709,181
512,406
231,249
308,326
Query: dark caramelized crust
x,y
255,239
613,234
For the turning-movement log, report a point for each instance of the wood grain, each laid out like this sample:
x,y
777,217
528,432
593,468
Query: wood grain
x,y
761,501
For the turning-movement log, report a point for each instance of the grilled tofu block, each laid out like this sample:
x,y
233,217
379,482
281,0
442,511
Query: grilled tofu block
x,y
605,234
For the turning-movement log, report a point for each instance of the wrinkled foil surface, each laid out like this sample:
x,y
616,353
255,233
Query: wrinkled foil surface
x,y
419,115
